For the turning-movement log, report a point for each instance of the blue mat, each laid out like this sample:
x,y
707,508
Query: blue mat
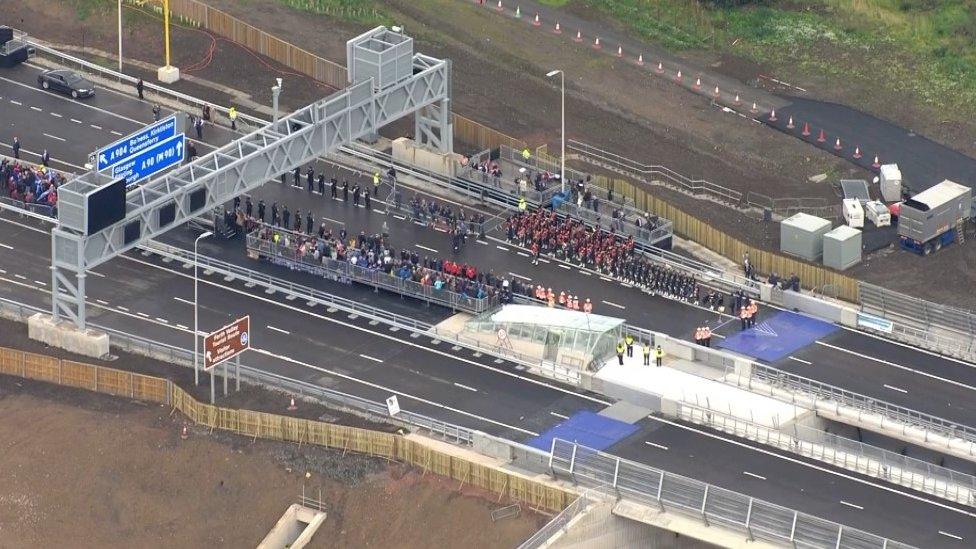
x,y
778,336
588,429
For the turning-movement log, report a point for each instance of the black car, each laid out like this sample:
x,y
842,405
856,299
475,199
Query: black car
x,y
68,82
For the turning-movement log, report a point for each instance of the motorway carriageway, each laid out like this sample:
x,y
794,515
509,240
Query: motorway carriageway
x,y
152,298
292,332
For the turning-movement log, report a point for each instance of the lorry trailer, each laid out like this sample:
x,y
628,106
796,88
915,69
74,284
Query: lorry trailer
x,y
934,218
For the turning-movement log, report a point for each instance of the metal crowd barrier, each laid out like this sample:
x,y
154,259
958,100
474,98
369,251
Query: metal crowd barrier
x,y
558,523
669,492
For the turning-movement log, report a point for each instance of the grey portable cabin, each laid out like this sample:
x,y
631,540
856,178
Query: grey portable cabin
x,y
934,211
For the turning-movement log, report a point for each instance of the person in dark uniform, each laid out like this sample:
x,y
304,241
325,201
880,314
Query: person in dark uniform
x,y
309,222
355,195
237,203
310,178
285,217
274,214
322,184
248,207
46,158
284,178
139,88
296,176
345,191
298,221
334,183
366,198
16,148
261,210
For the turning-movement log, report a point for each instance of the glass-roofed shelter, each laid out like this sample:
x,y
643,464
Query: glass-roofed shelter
x,y
571,338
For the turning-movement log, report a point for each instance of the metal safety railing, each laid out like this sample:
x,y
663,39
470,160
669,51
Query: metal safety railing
x,y
659,489
344,271
559,523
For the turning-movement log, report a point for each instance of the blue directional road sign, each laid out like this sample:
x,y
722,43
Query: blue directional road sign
x,y
152,160
123,149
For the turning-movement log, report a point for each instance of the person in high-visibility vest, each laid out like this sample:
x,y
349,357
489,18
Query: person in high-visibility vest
x,y
629,340
526,154
376,183
232,114
588,306
562,299
620,353
753,312
647,353
522,204
658,355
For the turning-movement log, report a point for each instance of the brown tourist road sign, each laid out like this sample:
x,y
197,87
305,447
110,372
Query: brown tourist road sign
x,y
227,342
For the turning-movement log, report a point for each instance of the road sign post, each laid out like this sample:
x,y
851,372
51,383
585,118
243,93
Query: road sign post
x,y
222,345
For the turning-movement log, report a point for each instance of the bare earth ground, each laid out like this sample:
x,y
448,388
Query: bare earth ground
x,y
498,80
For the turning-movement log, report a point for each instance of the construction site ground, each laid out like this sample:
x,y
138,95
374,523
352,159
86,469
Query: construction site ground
x,y
82,469
499,67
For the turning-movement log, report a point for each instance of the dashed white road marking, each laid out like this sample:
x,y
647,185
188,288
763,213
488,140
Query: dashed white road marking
x,y
422,247
520,276
854,505
948,535
56,115
893,388
560,416
163,320
585,273
605,279
16,102
96,127
567,267
20,276
373,358
38,109
121,308
523,254
612,304
76,121
899,366
182,327
116,133
753,475
6,246
502,248
656,445
800,360
286,332
39,283
465,387
54,137
100,275
143,315
100,302
181,300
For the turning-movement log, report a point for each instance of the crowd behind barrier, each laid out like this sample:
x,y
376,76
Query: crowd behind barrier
x,y
30,187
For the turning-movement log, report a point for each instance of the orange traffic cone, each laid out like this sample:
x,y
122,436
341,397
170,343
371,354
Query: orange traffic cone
x,y
821,137
837,146
536,22
518,11
579,37
557,30
877,162
857,152
660,67
184,434
620,51
755,108
772,116
806,129
596,43
640,59
499,6
716,93
292,407
697,85
737,100
789,123
678,76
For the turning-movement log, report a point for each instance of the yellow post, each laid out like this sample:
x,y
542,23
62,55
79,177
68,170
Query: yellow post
x,y
166,29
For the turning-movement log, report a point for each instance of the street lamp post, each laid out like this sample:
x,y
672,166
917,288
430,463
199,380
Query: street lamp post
x,y
196,316
120,35
275,92
562,131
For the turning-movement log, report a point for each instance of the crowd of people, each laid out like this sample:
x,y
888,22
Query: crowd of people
x,y
31,184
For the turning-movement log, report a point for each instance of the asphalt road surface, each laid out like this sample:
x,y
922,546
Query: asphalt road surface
x,y
153,298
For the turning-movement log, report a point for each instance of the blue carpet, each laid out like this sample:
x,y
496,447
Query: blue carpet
x,y
778,336
586,428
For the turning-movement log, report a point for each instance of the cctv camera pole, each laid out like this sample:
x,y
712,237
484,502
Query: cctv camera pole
x,y
275,92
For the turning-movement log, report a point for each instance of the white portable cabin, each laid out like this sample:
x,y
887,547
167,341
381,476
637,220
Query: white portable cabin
x,y
877,213
890,180
853,213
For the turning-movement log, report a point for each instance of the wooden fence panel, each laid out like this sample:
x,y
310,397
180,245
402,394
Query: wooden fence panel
x,y
42,368
11,362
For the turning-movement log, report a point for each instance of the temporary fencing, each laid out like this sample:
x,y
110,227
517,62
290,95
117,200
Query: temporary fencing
x,y
394,447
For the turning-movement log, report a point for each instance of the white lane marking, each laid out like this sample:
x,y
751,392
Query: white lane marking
x,y
562,266
516,275
656,445
181,300
800,360
100,302
286,332
381,212
822,469
3,271
96,127
182,327
76,121
116,133
899,366
20,276
143,315
121,308
7,246
753,475
893,388
612,304
585,273
422,247
502,248
100,275
523,254
482,242
163,320
16,102
400,217
56,115
38,109
452,356
40,283
543,260
854,505
560,416
465,387
367,357
605,279
948,535
54,137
